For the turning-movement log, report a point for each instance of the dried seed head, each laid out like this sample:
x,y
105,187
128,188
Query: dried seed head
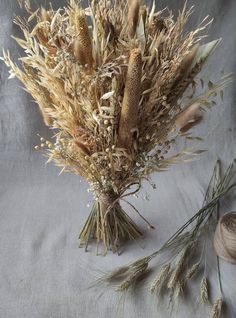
x,y
189,117
129,111
82,147
174,278
45,15
204,291
160,278
133,17
46,117
178,291
216,308
116,273
133,277
192,271
82,44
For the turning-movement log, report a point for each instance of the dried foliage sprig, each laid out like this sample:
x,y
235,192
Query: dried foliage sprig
x,y
177,271
111,80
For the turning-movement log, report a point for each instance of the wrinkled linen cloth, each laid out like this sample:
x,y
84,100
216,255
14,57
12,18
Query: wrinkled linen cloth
x,y
43,273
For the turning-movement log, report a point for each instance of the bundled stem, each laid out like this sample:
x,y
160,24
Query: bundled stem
x,y
109,225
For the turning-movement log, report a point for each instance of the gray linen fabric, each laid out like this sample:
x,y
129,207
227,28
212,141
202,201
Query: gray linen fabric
x,y
43,273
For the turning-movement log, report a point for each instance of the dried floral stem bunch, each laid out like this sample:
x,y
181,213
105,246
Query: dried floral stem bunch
x,y
183,260
111,81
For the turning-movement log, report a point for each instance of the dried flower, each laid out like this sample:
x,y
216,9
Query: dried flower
x,y
109,80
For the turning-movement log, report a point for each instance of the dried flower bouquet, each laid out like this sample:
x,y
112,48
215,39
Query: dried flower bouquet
x,y
111,81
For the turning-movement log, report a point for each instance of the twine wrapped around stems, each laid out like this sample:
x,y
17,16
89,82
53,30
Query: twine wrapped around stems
x,y
225,238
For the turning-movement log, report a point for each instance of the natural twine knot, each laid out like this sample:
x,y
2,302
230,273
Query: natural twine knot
x,y
108,198
225,238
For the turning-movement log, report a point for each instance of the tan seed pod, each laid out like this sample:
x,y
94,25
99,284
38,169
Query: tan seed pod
x,y
129,111
189,117
82,44
133,17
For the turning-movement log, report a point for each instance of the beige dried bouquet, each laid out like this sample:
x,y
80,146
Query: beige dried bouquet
x,y
111,81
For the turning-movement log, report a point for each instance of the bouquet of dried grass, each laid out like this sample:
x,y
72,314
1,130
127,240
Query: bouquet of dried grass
x,y
111,81
182,258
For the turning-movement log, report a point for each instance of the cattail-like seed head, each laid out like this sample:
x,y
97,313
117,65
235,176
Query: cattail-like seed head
x,y
133,17
129,111
82,44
